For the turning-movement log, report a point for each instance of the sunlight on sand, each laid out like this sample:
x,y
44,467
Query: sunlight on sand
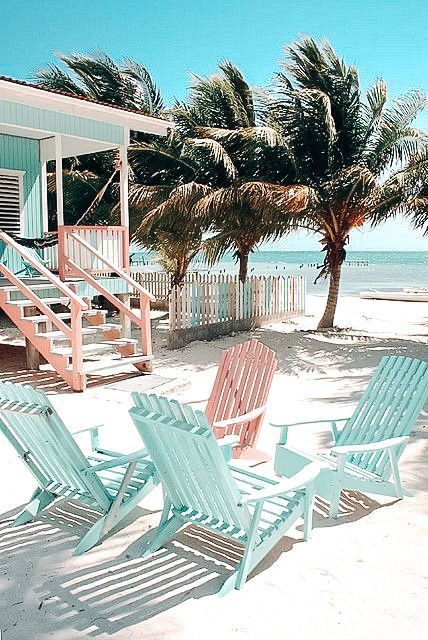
x,y
359,573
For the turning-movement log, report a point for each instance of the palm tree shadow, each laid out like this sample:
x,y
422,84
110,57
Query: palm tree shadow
x,y
130,589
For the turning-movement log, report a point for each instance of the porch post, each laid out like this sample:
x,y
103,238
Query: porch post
x,y
124,177
124,204
124,221
59,184
44,189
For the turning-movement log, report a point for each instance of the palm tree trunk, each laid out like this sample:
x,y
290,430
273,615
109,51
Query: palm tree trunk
x,y
243,265
327,319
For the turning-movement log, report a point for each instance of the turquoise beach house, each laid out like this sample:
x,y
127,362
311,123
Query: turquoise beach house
x,y
38,126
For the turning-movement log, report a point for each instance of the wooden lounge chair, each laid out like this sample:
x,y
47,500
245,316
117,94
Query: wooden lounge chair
x,y
201,488
106,480
237,403
368,447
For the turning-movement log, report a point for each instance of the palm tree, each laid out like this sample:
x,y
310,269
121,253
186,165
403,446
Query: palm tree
x,y
90,181
169,176
417,206
172,228
247,214
361,159
249,204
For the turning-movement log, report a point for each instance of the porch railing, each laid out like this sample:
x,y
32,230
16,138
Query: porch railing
x,y
108,242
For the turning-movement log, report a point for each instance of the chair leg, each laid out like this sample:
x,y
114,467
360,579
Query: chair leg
x,y
396,473
337,486
111,519
245,564
334,503
163,534
229,583
39,501
98,530
308,511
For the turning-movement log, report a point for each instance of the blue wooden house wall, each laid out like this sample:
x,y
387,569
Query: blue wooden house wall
x,y
22,154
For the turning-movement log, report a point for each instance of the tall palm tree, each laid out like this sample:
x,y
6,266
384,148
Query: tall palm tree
x,y
250,203
246,214
361,159
170,176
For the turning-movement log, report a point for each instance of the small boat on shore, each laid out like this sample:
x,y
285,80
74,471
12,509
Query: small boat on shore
x,y
406,295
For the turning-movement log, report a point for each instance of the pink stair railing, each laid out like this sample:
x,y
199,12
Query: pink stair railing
x,y
77,305
78,257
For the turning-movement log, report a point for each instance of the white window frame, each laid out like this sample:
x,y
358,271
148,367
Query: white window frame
x,y
20,175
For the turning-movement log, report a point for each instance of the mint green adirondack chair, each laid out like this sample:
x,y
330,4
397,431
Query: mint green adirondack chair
x,y
367,449
106,480
202,488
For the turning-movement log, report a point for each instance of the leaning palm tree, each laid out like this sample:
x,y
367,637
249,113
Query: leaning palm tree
x,y
250,204
361,159
170,176
247,214
173,228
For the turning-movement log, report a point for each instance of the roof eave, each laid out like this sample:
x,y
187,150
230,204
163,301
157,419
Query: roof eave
x,y
59,102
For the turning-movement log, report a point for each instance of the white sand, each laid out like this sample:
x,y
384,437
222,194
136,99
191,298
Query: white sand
x,y
359,577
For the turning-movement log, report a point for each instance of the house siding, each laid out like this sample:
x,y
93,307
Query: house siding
x,y
22,154
23,115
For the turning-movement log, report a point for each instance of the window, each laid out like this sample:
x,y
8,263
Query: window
x,y
10,201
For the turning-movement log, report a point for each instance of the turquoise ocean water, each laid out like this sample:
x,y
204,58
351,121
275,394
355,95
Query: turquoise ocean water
x,y
364,270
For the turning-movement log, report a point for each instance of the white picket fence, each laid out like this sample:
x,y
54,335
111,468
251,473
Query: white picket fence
x,y
159,282
220,299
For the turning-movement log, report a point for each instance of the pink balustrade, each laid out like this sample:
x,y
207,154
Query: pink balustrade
x,y
111,242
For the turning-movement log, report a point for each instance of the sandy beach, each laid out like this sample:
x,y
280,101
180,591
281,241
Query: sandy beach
x,y
360,576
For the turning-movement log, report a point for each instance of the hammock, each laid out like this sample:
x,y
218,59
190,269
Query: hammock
x,y
48,240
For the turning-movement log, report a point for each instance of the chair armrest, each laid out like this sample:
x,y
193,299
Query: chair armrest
x,y
298,424
245,417
120,461
284,427
390,443
226,444
93,431
228,441
87,429
298,481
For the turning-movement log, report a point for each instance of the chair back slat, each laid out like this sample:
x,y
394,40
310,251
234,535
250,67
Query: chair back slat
x,y
242,383
31,424
388,408
188,460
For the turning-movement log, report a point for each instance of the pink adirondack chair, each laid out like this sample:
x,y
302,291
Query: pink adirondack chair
x,y
237,402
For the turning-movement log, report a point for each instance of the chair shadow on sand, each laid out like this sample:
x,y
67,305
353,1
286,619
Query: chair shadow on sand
x,y
128,589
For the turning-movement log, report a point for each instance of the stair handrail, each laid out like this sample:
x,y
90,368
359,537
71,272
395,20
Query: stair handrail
x,y
38,302
89,278
143,321
115,268
44,271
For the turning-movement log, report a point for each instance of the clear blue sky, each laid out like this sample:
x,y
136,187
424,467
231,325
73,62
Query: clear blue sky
x,y
385,38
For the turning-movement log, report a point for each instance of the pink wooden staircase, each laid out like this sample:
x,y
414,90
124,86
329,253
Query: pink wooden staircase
x,y
74,338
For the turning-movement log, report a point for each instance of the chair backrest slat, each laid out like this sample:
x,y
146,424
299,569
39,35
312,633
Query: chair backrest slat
x,y
388,408
242,383
188,460
32,425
